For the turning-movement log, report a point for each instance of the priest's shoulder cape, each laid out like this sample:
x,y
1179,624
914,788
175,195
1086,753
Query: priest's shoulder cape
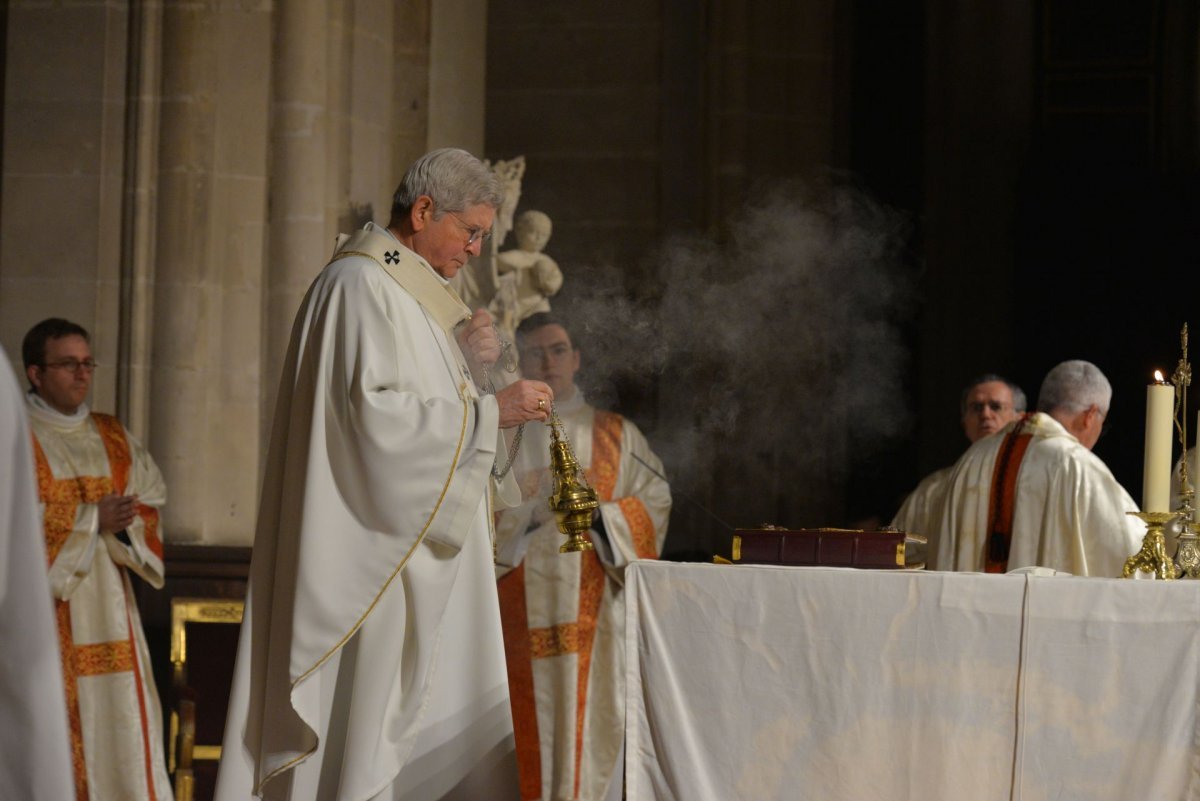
x,y
1069,513
375,518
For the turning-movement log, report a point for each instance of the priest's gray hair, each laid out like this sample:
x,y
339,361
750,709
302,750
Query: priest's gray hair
x,y
1018,394
1074,386
453,178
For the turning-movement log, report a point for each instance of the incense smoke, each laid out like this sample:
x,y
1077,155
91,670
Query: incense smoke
x,y
776,356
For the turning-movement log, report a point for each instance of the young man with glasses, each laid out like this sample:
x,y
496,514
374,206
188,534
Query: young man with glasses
x,y
371,662
1036,495
564,614
101,493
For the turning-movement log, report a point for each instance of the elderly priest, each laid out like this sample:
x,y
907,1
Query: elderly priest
x,y
371,664
1037,495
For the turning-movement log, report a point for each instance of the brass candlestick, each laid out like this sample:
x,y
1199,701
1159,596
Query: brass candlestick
x,y
1152,558
573,501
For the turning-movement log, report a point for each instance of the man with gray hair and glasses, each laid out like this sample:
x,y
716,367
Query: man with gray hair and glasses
x,y
1036,495
371,660
988,404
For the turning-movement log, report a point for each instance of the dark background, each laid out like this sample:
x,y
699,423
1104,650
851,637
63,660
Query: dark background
x,y
1043,153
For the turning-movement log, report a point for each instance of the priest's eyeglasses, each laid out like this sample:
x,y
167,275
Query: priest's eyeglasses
x,y
73,365
555,352
474,232
977,407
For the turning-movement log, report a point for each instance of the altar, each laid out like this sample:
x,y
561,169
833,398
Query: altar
x,y
758,683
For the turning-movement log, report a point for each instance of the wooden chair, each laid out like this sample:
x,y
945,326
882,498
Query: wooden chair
x,y
204,635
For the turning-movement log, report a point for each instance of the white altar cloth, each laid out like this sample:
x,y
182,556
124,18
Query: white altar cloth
x,y
760,683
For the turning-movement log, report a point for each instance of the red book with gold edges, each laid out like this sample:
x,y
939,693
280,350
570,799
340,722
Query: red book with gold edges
x,y
827,547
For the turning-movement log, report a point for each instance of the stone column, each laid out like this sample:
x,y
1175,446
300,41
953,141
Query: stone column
x,y
410,89
362,173
457,43
139,217
207,376
298,233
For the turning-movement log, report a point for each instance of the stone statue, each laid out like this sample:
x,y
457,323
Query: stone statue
x,y
510,174
527,277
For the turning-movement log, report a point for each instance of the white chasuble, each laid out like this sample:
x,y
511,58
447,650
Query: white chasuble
x,y
1069,512
371,662
112,707
564,614
921,512
35,750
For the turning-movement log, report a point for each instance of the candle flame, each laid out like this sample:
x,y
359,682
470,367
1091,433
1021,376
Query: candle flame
x,y
1158,376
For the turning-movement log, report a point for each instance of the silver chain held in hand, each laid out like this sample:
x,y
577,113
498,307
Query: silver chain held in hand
x,y
489,387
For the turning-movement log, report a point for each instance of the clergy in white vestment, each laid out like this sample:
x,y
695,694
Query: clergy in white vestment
x,y
1034,494
989,403
371,661
35,748
100,493
564,613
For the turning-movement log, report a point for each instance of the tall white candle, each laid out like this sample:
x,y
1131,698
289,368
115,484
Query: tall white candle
x,y
1156,470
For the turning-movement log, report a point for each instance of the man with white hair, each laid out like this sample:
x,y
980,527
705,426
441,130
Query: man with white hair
x,y
371,660
989,403
1038,495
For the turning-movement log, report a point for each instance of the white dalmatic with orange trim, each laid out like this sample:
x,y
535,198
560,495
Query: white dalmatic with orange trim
x,y
113,709
564,614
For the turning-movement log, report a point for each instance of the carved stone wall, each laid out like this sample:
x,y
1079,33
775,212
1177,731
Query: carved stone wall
x,y
173,178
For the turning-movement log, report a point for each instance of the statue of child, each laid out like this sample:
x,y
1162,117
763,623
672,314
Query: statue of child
x,y
528,278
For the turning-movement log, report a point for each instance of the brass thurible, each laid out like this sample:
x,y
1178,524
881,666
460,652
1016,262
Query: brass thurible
x,y
573,501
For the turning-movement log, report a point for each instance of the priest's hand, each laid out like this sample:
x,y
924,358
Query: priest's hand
x,y
523,401
480,343
117,512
